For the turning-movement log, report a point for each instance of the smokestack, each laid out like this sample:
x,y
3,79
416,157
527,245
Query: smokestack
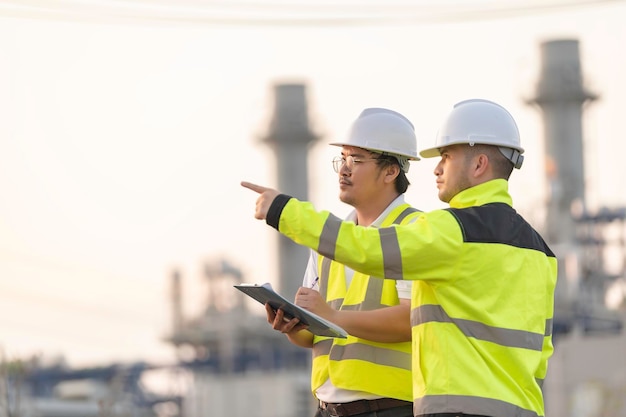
x,y
561,96
290,137
177,303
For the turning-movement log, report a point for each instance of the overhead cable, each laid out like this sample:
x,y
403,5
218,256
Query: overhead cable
x,y
297,14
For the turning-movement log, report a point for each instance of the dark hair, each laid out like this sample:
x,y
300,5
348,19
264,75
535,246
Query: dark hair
x,y
402,182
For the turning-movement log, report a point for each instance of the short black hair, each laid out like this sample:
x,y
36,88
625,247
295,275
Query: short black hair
x,y
402,182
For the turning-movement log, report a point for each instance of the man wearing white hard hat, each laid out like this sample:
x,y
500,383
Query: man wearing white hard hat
x,y
368,374
482,301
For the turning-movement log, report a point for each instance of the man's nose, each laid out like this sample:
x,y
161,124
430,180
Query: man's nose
x,y
437,171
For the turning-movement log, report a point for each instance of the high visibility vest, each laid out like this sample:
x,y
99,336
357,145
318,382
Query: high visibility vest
x,y
482,300
353,363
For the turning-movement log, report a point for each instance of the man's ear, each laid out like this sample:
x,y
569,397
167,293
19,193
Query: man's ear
x,y
481,165
391,173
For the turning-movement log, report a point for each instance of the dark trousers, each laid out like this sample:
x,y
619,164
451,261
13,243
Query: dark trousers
x,y
404,411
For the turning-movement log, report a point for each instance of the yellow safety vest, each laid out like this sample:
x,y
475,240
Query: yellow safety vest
x,y
353,363
482,301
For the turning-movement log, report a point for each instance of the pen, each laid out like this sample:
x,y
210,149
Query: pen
x,y
315,282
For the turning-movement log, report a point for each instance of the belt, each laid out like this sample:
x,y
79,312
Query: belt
x,y
451,415
362,406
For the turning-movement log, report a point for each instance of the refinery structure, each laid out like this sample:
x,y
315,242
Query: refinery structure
x,y
239,366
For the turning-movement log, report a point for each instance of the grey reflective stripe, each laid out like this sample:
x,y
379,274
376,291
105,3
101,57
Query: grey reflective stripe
x,y
336,304
323,283
373,295
374,354
470,328
373,305
322,347
324,274
434,404
328,237
371,301
392,258
405,212
549,323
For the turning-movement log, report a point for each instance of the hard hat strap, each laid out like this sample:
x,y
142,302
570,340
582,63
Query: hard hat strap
x,y
403,161
512,155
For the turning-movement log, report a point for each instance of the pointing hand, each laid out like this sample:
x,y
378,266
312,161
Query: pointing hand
x,y
266,197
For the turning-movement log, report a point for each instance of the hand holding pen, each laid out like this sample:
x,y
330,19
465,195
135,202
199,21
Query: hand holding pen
x,y
315,281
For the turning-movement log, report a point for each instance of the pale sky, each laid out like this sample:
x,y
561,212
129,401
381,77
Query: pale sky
x,y
123,142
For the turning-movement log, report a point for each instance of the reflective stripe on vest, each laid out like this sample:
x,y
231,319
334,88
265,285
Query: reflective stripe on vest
x,y
433,404
503,337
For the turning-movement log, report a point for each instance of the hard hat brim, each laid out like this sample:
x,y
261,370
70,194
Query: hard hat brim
x,y
434,152
430,153
375,149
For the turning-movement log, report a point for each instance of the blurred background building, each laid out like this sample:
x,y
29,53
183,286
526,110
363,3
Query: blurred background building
x,y
586,375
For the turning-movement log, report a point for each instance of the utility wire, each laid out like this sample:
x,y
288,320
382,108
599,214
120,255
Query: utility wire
x,y
300,14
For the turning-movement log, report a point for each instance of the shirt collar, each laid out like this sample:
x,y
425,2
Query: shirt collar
x,y
379,220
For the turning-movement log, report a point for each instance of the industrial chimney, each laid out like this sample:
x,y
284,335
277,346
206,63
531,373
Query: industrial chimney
x,y
561,96
290,137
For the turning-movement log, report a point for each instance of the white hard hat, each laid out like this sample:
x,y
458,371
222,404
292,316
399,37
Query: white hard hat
x,y
385,131
483,122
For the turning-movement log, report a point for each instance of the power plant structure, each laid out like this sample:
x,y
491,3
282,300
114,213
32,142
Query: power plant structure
x,y
570,227
240,366
290,138
561,96
587,373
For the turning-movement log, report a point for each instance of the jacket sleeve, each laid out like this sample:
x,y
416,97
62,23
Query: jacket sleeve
x,y
398,252
276,209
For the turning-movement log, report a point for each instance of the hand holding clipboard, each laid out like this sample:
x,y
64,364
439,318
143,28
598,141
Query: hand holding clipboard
x,y
316,324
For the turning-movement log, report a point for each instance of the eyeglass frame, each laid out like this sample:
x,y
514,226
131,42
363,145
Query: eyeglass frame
x,y
340,160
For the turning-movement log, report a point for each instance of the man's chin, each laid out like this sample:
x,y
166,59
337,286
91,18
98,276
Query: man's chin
x,y
345,198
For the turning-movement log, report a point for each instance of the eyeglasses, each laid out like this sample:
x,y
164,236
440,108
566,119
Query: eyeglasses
x,y
350,161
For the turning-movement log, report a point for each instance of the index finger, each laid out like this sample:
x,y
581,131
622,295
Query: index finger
x,y
258,188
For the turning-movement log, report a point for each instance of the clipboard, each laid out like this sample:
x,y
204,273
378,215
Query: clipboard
x,y
317,325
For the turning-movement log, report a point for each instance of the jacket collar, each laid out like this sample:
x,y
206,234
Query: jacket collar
x,y
494,191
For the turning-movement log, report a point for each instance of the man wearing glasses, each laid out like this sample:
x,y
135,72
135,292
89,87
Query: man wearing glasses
x,y
368,374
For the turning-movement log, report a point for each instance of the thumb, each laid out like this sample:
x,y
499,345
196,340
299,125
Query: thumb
x,y
257,188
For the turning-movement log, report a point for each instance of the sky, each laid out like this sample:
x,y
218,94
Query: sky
x,y
125,131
